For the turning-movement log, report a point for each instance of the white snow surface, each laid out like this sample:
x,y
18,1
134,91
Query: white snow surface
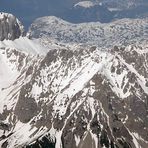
x,y
24,44
85,4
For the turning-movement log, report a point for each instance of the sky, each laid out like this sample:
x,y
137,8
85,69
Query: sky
x,y
28,10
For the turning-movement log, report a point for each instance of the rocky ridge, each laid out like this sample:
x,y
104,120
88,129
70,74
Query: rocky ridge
x,y
10,27
107,35
75,96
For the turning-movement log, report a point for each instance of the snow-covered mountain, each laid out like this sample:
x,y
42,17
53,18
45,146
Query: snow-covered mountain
x,y
72,96
84,98
106,35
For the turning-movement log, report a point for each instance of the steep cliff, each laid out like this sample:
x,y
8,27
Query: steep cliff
x,y
10,27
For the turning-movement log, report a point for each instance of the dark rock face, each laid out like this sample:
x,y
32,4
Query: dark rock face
x,y
84,98
44,143
10,27
26,108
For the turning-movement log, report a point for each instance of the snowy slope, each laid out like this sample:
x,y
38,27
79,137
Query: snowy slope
x,y
24,44
97,96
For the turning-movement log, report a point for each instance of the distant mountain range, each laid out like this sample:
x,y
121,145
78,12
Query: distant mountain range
x,y
70,10
104,35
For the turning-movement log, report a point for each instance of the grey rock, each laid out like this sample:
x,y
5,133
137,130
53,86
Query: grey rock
x,y
10,27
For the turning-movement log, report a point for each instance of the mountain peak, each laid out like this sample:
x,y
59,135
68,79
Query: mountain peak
x,y
10,27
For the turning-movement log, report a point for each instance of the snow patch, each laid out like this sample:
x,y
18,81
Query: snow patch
x,y
85,4
77,140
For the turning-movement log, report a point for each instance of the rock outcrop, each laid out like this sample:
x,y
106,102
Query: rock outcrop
x,y
10,27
